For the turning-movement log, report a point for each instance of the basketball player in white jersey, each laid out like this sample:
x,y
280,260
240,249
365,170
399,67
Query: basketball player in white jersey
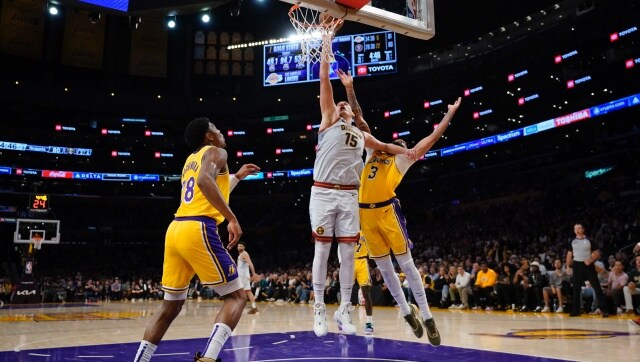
x,y
245,271
333,207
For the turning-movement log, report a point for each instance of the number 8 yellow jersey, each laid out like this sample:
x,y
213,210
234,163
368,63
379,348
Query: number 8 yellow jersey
x,y
192,201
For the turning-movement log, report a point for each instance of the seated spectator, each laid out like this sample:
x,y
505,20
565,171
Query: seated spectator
x,y
588,293
537,282
305,288
617,280
441,286
137,292
332,289
520,284
115,290
483,288
292,294
632,289
460,289
556,278
504,288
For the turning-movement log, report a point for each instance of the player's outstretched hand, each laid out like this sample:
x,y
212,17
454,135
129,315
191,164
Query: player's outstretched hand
x,y
454,107
345,78
235,233
246,170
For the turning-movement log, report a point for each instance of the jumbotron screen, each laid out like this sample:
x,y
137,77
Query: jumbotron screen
x,y
363,54
121,5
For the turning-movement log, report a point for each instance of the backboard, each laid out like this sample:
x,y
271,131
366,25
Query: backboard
x,y
413,18
28,229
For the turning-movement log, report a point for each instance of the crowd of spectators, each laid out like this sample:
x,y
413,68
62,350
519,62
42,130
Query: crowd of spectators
x,y
475,248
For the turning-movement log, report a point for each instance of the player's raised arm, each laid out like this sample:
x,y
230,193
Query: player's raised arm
x,y
347,82
426,143
244,171
214,160
327,103
372,142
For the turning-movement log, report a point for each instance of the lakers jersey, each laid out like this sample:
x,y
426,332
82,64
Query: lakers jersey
x,y
339,156
192,200
379,179
361,248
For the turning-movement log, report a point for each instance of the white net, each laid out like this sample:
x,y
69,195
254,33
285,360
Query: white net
x,y
315,33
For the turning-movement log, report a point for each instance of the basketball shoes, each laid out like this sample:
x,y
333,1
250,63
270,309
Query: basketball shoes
x,y
343,317
320,320
368,328
432,332
413,319
200,358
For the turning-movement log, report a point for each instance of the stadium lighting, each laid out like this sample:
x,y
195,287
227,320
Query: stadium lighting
x,y
171,21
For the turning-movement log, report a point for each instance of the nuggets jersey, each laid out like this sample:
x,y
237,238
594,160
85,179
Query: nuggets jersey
x,y
339,156
192,201
380,177
243,267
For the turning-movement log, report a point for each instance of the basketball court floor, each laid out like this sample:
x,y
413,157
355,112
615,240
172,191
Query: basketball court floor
x,y
111,331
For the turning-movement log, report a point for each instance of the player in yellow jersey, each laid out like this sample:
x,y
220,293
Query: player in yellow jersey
x,y
384,226
192,243
363,278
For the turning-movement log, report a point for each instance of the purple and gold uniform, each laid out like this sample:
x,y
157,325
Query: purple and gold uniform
x,y
361,263
192,243
381,219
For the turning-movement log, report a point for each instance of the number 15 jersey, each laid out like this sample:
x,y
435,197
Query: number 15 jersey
x,y
192,200
339,156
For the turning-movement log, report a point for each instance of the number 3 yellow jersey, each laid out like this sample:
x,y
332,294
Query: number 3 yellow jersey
x,y
379,178
192,200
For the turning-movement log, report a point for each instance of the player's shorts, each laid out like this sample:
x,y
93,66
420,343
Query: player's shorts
x,y
334,212
385,229
361,272
193,246
246,281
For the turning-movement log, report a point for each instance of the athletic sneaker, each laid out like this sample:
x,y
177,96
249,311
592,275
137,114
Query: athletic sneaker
x,y
320,320
560,310
414,321
199,358
432,332
253,311
634,322
343,317
368,328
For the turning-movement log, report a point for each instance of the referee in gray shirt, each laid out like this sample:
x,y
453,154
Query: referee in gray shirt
x,y
582,255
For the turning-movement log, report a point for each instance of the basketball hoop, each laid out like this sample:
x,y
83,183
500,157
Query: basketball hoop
x,y
37,239
315,32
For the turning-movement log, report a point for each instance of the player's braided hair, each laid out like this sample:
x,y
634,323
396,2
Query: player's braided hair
x,y
195,131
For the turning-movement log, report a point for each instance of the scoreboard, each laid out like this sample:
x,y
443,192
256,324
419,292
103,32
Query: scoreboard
x,y
363,54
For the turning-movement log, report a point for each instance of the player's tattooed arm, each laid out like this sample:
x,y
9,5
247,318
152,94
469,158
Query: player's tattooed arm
x,y
347,82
